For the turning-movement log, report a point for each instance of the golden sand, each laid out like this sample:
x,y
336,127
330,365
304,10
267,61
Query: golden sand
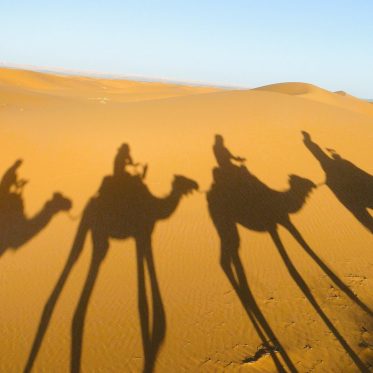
x,y
67,131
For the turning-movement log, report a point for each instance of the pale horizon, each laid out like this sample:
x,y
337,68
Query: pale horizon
x,y
139,78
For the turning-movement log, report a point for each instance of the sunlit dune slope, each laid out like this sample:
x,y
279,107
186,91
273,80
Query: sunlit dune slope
x,y
102,90
309,91
319,313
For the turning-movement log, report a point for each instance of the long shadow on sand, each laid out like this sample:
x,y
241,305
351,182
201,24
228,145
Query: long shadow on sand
x,y
352,186
16,228
238,197
123,208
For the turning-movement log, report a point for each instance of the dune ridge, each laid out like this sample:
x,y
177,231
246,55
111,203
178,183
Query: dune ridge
x,y
312,92
77,86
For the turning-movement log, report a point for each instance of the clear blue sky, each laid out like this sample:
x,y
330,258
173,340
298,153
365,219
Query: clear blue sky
x,y
238,42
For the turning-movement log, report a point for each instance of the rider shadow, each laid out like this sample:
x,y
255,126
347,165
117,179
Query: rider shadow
x,y
352,186
238,197
123,208
16,229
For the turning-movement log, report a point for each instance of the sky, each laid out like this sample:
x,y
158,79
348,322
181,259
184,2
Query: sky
x,y
244,43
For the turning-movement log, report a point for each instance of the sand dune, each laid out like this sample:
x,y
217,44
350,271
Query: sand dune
x,y
68,140
309,91
117,90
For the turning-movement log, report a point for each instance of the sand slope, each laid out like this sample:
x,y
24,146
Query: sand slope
x,y
68,141
101,90
309,91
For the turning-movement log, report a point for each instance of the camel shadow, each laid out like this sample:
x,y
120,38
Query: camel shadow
x,y
16,228
123,208
238,197
352,186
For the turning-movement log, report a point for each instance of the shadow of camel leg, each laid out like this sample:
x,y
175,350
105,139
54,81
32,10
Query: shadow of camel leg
x,y
143,306
363,216
337,281
159,316
307,292
229,260
256,316
100,247
53,298
226,263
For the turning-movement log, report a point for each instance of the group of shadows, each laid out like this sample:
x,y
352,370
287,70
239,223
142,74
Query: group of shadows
x,y
124,207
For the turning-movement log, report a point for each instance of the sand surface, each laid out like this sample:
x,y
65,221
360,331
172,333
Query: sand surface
x,y
67,131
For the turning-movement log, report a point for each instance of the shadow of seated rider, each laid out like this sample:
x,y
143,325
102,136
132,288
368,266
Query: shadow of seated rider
x,y
124,159
228,173
10,180
223,156
10,192
352,186
122,184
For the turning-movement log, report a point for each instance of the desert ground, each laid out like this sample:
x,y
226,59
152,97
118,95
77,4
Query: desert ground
x,y
299,300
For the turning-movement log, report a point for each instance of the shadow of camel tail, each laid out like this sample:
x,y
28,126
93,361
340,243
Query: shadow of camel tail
x,y
53,298
337,281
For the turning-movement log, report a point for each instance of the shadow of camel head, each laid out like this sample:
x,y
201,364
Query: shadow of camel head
x,y
59,203
184,185
300,188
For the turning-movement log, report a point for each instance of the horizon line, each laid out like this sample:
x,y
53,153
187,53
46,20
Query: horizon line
x,y
115,76
138,78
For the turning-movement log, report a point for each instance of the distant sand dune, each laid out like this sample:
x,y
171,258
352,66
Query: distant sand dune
x,y
340,98
120,90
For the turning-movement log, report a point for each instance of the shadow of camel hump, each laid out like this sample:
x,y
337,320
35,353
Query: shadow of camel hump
x,y
238,197
123,208
16,228
352,186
